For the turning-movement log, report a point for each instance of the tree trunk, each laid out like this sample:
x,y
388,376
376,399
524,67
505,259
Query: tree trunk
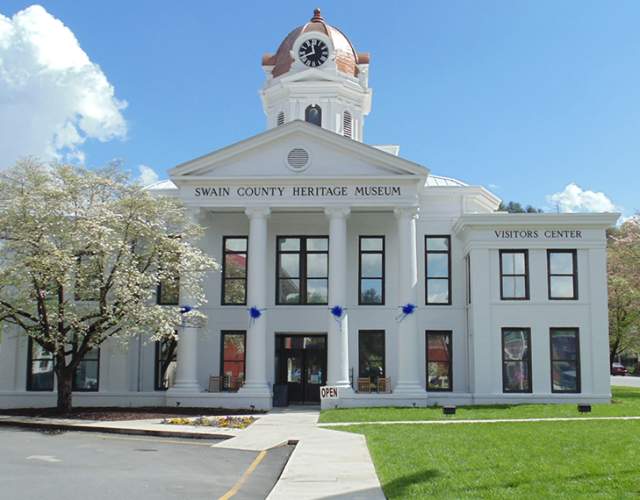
x,y
65,378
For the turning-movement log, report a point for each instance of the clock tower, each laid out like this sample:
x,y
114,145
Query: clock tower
x,y
316,75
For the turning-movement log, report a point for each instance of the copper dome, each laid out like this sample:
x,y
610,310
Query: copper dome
x,y
347,59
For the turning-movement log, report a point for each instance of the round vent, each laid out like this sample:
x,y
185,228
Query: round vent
x,y
298,159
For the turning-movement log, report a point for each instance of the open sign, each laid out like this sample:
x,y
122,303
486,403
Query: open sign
x,y
328,392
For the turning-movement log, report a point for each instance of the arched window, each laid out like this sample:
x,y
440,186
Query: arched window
x,y
346,124
313,114
280,118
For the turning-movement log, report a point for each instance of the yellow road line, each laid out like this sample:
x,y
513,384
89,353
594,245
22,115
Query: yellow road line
x,y
236,487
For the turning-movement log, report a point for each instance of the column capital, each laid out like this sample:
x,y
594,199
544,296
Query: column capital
x,y
257,212
406,212
337,212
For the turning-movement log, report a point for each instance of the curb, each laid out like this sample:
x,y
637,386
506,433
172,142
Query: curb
x,y
111,430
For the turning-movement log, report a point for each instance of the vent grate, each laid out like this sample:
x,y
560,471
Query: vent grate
x,y
298,158
346,124
281,118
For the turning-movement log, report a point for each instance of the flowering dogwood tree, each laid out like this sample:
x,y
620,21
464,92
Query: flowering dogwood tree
x,y
82,254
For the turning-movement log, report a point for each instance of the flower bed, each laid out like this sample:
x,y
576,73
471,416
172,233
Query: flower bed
x,y
223,422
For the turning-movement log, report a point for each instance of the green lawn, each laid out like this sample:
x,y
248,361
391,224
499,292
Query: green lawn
x,y
589,459
626,402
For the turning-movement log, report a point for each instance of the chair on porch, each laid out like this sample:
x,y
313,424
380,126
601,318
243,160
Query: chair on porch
x,y
384,385
214,383
364,384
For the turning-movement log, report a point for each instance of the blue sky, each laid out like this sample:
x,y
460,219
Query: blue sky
x,y
521,97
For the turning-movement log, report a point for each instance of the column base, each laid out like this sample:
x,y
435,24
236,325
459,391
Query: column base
x,y
409,389
189,386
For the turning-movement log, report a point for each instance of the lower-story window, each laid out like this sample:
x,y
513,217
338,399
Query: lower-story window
x,y
439,372
232,366
166,357
86,376
565,360
39,368
516,360
371,354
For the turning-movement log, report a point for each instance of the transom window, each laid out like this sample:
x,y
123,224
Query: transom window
x,y
565,360
302,264
232,366
562,267
516,360
371,284
439,368
438,270
514,274
234,270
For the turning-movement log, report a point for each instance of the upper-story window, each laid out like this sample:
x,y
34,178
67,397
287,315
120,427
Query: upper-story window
x,y
302,270
313,114
88,277
280,119
168,293
371,285
438,270
347,124
514,274
234,270
562,274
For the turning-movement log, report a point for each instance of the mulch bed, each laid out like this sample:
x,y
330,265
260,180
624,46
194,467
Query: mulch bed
x,y
116,413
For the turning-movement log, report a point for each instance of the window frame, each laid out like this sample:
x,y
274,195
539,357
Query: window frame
x,y
525,252
384,348
448,333
224,279
302,268
528,359
426,269
576,330
574,275
223,333
382,278
30,361
157,381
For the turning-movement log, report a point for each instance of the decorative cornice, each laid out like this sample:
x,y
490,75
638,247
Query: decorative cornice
x,y
500,219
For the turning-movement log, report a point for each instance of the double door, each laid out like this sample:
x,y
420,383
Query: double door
x,y
301,364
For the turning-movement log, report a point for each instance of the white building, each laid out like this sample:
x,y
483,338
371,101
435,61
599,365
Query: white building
x,y
498,308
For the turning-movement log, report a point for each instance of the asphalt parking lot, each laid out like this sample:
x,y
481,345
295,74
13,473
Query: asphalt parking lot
x,y
79,465
627,381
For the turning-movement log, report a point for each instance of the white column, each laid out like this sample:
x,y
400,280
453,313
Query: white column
x,y
187,356
408,342
338,332
256,350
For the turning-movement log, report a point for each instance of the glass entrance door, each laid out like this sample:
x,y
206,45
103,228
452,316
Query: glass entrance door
x,y
302,365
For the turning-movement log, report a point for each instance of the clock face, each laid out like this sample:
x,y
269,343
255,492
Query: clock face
x,y
313,52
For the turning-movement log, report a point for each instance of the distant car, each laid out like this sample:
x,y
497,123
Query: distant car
x,y
618,369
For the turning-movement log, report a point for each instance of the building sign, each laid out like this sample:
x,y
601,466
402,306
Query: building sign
x,y
328,392
532,234
221,192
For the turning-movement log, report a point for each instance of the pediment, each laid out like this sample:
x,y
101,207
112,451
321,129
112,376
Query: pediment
x,y
281,152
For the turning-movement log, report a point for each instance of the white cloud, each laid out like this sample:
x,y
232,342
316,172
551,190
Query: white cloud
x,y
574,199
147,175
52,97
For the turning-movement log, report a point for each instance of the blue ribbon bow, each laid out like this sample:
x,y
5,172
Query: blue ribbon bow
x,y
337,312
406,309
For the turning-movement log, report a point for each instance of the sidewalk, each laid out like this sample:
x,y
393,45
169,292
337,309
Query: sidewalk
x,y
325,463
